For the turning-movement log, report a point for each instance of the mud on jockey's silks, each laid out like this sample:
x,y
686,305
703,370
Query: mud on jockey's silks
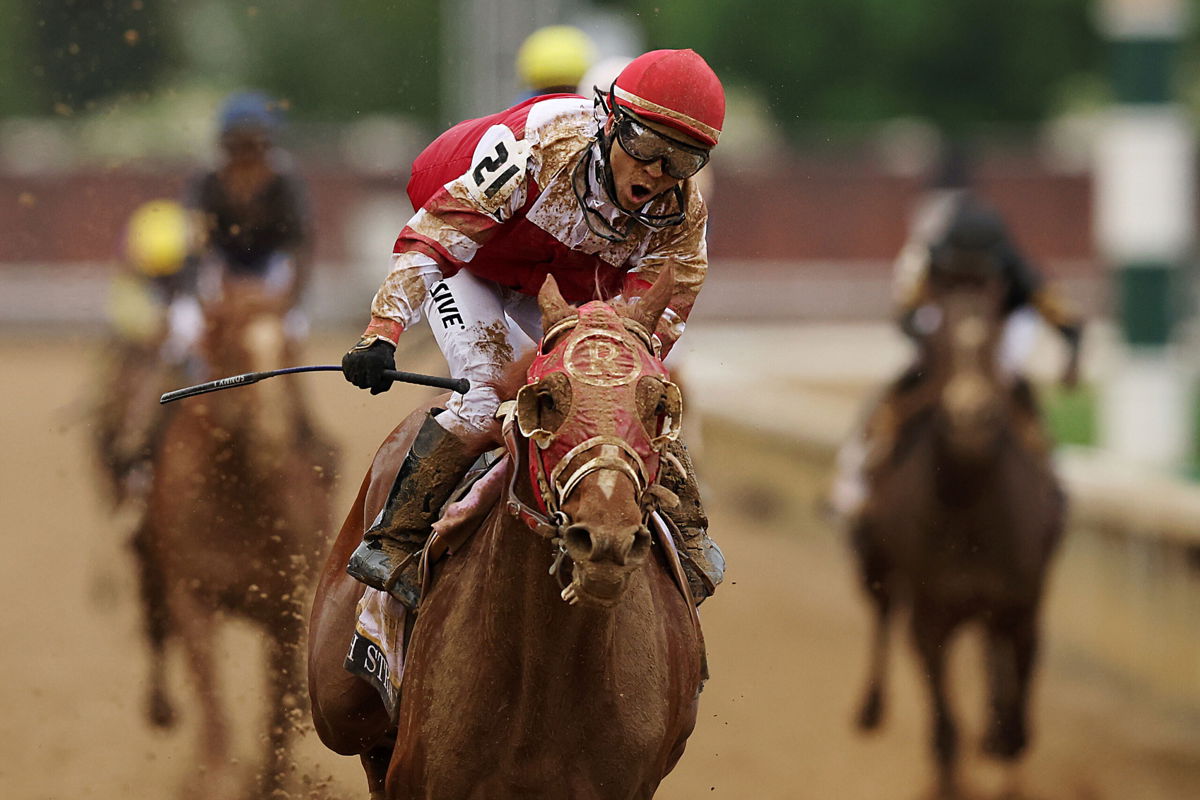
x,y
606,366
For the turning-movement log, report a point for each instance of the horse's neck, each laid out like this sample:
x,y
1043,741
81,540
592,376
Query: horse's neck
x,y
520,599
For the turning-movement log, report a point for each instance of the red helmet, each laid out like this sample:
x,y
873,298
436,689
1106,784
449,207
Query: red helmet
x,y
677,88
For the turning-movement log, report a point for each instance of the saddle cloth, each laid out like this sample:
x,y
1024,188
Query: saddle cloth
x,y
377,647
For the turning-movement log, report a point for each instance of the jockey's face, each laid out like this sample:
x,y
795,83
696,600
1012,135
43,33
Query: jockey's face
x,y
637,181
246,145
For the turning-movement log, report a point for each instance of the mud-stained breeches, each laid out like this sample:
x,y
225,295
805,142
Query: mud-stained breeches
x,y
481,328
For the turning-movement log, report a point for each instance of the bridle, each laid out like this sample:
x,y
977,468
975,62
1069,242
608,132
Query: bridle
x,y
555,483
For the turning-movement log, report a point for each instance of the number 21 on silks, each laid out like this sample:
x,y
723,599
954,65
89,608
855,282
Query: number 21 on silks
x,y
497,167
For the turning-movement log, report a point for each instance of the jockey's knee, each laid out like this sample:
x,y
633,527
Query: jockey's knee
x,y
472,414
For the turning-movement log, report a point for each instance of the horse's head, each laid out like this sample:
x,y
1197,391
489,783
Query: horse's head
x,y
968,294
244,329
594,418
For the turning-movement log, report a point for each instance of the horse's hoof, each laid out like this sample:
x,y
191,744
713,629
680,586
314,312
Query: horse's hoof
x,y
161,712
871,713
1005,742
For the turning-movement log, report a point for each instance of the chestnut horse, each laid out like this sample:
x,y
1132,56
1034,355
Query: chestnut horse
x,y
517,683
962,521
237,519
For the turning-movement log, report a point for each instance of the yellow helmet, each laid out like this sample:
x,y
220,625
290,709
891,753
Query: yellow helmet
x,y
157,238
556,55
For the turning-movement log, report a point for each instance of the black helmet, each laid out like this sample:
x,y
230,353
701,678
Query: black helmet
x,y
973,244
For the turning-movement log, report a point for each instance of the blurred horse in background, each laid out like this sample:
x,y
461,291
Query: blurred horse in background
x,y
237,519
507,690
962,519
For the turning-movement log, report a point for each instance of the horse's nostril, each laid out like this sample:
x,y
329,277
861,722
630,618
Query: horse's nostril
x,y
641,543
579,541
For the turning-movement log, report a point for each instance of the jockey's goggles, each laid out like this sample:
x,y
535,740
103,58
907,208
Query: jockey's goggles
x,y
643,143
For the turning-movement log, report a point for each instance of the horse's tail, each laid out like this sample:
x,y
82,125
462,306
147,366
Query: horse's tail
x,y
156,621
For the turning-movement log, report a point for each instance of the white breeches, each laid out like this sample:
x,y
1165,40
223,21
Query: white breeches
x,y
481,328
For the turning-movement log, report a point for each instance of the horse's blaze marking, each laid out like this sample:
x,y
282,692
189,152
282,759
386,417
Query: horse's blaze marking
x,y
599,359
608,478
970,333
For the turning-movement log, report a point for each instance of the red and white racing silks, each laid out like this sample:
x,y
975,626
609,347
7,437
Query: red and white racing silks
x,y
495,198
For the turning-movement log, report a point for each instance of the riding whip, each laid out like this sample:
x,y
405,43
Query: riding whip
x,y
459,385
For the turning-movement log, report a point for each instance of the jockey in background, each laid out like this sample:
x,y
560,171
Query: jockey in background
x,y
153,251
957,215
252,219
954,220
600,197
552,60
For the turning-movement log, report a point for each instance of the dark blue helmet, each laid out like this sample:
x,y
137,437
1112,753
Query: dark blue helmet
x,y
976,241
250,109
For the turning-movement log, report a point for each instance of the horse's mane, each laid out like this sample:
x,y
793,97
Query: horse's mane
x,y
513,376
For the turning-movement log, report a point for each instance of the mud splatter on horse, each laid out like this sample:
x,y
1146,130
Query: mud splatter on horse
x,y
519,683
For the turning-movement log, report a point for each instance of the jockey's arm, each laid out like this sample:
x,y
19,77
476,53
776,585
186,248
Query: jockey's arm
x,y
1067,321
443,235
915,315
1027,286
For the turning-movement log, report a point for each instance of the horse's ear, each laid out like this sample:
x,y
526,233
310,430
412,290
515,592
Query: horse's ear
x,y
554,307
652,304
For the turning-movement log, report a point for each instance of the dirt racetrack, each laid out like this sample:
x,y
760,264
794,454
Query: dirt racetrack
x,y
787,637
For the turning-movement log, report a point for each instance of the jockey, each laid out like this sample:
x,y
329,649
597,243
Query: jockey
x,y
598,196
252,219
963,221
153,250
959,225
552,60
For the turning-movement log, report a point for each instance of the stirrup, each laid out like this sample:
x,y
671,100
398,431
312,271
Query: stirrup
x,y
407,592
372,564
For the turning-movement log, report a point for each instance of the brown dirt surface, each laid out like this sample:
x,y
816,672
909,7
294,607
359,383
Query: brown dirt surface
x,y
787,635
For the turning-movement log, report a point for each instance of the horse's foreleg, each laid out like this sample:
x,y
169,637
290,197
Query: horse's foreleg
x,y
931,630
1012,650
874,579
197,631
375,763
283,676
156,623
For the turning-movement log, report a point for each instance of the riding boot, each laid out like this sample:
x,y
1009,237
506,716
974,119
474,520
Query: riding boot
x,y
390,554
703,562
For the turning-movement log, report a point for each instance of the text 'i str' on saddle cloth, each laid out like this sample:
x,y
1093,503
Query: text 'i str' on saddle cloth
x,y
377,647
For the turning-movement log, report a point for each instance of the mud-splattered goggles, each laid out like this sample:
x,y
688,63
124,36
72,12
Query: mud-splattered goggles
x,y
643,143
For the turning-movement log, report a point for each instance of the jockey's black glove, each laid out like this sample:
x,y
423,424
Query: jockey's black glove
x,y
366,362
